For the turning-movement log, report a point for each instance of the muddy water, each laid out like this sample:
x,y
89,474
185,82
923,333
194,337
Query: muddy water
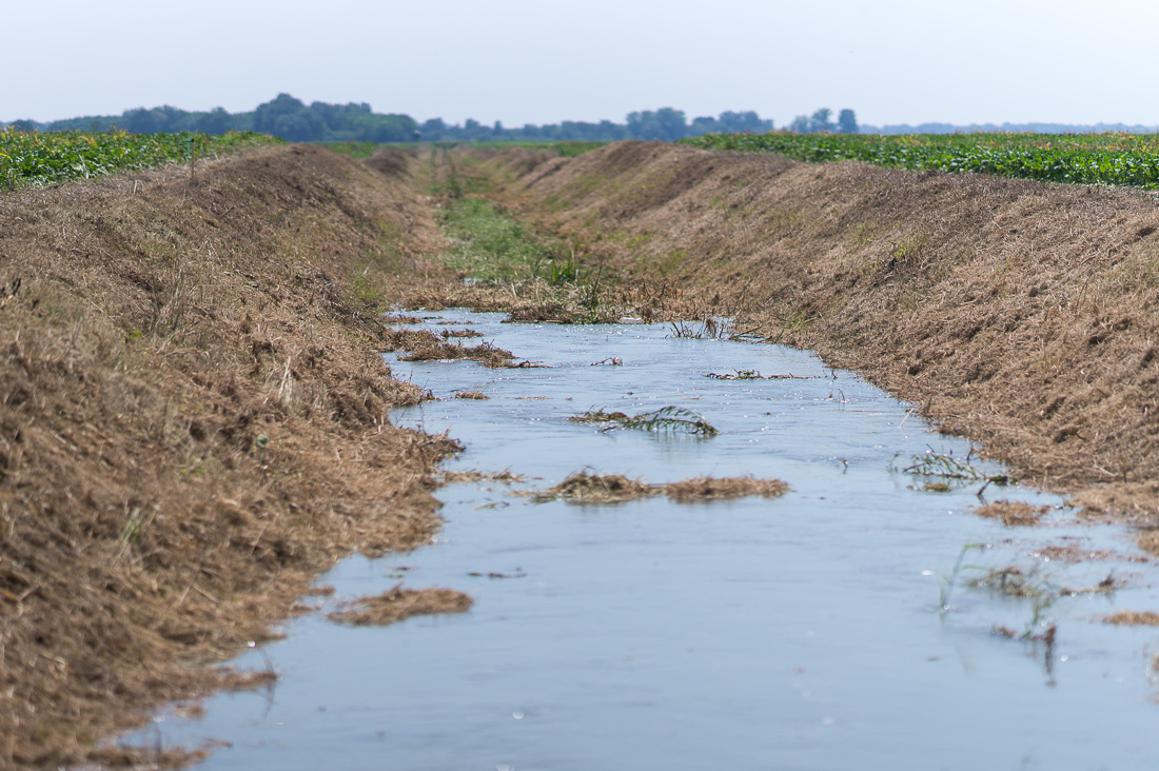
x,y
797,633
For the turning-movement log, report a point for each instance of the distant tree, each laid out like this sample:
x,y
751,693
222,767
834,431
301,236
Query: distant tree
x,y
216,121
433,129
821,120
801,125
666,124
847,121
23,125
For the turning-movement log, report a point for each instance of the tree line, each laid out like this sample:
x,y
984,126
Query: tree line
x,y
290,118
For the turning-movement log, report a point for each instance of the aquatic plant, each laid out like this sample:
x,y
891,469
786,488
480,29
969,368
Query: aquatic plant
x,y
946,466
666,419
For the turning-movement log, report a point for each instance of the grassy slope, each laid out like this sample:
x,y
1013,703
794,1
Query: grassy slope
x,y
1022,314
193,423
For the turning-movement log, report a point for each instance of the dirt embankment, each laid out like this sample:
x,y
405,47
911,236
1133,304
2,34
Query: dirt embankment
x,y
193,423
1021,314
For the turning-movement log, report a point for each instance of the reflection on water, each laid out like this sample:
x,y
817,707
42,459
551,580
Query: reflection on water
x,y
796,633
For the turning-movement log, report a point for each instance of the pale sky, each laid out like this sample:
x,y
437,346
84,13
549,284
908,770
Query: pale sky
x,y
519,61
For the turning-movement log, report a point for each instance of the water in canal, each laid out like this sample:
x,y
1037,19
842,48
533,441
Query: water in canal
x,y
797,633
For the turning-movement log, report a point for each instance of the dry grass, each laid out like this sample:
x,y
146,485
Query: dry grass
x,y
452,333
588,488
721,488
1132,618
193,424
399,604
476,395
1019,313
1013,513
507,477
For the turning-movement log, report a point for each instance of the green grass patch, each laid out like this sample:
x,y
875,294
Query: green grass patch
x,y
1111,159
34,158
495,248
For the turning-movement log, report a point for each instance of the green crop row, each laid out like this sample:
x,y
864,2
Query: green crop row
x,y
32,158
1110,159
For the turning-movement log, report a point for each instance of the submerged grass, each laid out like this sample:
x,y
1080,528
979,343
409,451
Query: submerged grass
x,y
1013,513
947,467
669,419
398,604
585,487
752,374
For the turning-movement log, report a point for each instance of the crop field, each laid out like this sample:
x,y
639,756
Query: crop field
x,y
31,158
1109,159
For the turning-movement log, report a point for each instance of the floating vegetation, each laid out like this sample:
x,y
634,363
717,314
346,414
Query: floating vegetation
x,y
398,604
666,419
449,333
1133,618
506,476
496,574
723,488
1013,513
946,466
477,395
611,361
713,329
585,487
752,374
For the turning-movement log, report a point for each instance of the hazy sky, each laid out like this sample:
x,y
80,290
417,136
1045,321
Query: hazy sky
x,y
542,61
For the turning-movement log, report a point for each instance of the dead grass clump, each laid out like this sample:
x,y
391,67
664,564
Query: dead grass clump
x,y
476,395
424,345
507,476
1133,618
398,604
752,374
584,487
721,488
451,333
1013,513
1148,541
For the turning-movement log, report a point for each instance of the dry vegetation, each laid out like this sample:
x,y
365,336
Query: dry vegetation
x,y
398,604
585,487
193,423
1020,313
1012,513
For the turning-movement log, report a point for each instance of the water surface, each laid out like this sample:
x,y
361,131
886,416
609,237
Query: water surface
x,y
796,633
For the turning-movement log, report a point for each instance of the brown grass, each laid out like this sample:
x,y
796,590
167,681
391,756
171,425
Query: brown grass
x,y
398,604
720,488
476,395
588,488
1132,618
507,476
193,424
1013,513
